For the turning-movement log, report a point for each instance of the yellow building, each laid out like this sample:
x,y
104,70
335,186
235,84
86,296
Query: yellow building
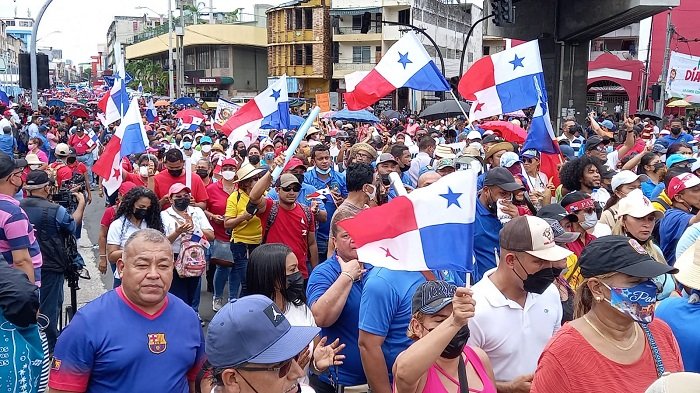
x,y
299,45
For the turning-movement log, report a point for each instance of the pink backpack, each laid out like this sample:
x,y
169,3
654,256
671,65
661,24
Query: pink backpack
x,y
191,261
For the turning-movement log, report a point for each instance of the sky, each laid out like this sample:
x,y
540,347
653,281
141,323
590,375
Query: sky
x,y
79,26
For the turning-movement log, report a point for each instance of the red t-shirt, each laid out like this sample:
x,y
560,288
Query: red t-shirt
x,y
291,228
66,172
163,181
585,370
108,216
79,144
134,178
216,204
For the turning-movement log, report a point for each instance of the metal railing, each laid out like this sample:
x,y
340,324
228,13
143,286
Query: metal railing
x,y
243,18
351,30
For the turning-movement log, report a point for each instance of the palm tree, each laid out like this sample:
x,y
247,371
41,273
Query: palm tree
x,y
150,74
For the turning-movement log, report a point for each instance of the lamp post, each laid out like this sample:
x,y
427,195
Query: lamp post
x,y
32,56
171,81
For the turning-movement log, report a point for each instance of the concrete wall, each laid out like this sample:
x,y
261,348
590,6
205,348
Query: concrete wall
x,y
249,69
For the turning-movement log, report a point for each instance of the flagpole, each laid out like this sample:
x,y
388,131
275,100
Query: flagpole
x,y
301,133
452,93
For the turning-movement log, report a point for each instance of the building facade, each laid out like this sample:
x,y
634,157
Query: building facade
x,y
124,28
20,28
10,48
299,45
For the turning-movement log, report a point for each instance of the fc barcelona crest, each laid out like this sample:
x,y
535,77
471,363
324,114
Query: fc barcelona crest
x,y
157,343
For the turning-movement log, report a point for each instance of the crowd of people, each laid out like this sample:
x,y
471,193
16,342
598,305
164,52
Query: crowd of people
x,y
584,280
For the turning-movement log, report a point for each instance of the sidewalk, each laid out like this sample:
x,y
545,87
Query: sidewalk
x,y
89,289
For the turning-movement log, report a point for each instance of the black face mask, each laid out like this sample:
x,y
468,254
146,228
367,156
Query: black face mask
x,y
175,172
404,168
492,205
140,214
455,347
71,160
203,173
658,165
539,281
295,286
675,130
181,204
254,160
242,153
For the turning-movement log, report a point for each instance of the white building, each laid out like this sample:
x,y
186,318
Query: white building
x,y
124,28
446,22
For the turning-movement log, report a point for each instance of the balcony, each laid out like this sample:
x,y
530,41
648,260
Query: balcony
x,y
350,34
342,69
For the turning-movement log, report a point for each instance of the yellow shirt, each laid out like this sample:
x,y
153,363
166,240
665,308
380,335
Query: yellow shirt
x,y
573,272
249,232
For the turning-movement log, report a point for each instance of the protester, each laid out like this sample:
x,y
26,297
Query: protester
x,y
654,168
619,345
107,219
361,193
622,184
684,192
175,173
426,149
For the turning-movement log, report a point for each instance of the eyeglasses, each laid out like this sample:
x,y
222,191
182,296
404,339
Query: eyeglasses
x,y
528,160
281,368
293,187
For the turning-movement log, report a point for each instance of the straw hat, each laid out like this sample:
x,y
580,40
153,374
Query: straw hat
x,y
683,382
688,265
444,151
248,171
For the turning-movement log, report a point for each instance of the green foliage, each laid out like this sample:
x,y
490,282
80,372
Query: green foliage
x,y
150,74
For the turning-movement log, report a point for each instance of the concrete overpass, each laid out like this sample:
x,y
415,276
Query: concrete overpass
x,y
564,29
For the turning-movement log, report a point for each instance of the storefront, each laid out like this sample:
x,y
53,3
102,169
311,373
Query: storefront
x,y
208,88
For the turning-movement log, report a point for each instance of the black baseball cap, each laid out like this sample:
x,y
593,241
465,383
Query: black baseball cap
x,y
502,178
557,212
36,179
432,296
491,138
594,141
9,164
621,254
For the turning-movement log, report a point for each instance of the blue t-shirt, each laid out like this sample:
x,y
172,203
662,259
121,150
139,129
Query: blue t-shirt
x,y
385,309
683,318
302,199
672,226
335,180
682,137
111,346
345,327
8,144
486,230
649,187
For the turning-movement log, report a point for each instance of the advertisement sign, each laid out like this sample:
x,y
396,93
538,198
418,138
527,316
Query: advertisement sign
x,y
683,76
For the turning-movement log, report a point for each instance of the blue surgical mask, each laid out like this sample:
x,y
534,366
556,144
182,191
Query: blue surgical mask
x,y
637,302
608,149
323,172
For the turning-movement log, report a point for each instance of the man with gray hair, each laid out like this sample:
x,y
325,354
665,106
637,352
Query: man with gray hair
x,y
136,335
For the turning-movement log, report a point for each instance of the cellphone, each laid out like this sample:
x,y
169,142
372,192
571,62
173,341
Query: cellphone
x,y
386,180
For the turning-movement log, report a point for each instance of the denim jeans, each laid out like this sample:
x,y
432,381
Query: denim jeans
x,y
51,293
88,160
236,274
187,289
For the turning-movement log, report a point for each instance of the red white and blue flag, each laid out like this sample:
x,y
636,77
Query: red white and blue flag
x,y
432,228
151,112
130,138
115,103
504,82
191,122
541,137
405,64
271,105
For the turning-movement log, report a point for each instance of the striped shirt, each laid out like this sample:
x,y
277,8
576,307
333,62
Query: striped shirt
x,y
17,233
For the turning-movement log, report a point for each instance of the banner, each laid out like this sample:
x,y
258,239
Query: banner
x,y
224,110
683,76
323,101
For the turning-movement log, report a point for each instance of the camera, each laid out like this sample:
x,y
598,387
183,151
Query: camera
x,y
64,195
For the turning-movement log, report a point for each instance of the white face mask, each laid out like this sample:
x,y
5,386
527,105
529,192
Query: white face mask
x,y
206,148
143,171
228,175
589,220
372,195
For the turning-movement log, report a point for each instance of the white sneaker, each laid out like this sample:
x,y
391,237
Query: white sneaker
x,y
217,304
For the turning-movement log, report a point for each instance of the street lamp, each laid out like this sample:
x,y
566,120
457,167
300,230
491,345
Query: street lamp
x,y
46,35
171,81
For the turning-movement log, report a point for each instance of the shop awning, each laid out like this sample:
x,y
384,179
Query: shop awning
x,y
210,104
226,80
354,11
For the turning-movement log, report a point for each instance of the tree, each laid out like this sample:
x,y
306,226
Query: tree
x,y
231,17
86,75
150,74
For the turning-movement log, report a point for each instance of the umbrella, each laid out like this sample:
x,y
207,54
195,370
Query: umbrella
x,y
361,115
391,114
55,102
162,103
70,100
444,109
187,101
190,112
508,130
83,101
678,104
273,124
649,114
79,113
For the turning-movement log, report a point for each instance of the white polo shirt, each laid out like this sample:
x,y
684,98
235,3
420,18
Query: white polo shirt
x,y
512,336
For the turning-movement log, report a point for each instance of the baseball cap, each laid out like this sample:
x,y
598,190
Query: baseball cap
x,y
287,179
555,211
472,135
294,163
445,162
432,296
620,254
560,234
126,187
490,138
635,204
665,132
36,179
577,200
8,164
530,153
62,150
508,159
205,139
567,151
230,161
594,141
682,382
253,330
607,124
659,148
534,236
694,167
386,157
177,187
674,159
681,182
502,178
626,177
507,146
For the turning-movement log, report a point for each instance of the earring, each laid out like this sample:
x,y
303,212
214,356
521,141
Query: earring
x,y
597,298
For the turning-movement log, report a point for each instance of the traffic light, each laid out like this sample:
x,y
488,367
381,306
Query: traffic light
x,y
42,71
366,21
503,12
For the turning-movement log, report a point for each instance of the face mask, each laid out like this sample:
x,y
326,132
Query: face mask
x,y
295,286
175,172
269,156
181,204
372,195
675,130
242,153
206,148
608,149
140,214
455,347
658,165
71,160
322,171
143,171
31,146
300,177
637,302
492,205
203,173
254,160
539,281
589,220
228,175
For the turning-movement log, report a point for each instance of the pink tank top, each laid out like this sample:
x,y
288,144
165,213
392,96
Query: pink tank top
x,y
433,384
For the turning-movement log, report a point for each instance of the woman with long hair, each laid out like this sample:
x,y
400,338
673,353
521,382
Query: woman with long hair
x,y
254,155
655,169
138,209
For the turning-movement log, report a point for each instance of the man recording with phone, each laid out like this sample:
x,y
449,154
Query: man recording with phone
x,y
55,231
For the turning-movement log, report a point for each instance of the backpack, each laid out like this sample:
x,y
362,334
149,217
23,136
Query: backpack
x,y
191,260
274,209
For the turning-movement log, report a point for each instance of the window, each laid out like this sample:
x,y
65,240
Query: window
x,y
360,54
357,22
298,55
487,50
190,59
135,26
297,18
289,15
308,18
308,54
203,62
405,16
222,57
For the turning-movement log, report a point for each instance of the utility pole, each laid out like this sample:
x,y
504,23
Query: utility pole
x,y
32,56
171,71
181,52
664,70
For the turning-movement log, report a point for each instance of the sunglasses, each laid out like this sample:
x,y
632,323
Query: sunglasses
x,y
293,187
281,368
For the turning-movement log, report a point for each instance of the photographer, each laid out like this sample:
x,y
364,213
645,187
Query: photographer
x,y
55,232
67,169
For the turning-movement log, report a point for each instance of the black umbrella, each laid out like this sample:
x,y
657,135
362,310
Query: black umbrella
x,y
649,114
391,114
444,109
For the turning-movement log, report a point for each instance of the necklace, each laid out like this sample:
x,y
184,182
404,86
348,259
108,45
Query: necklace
x,y
627,348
